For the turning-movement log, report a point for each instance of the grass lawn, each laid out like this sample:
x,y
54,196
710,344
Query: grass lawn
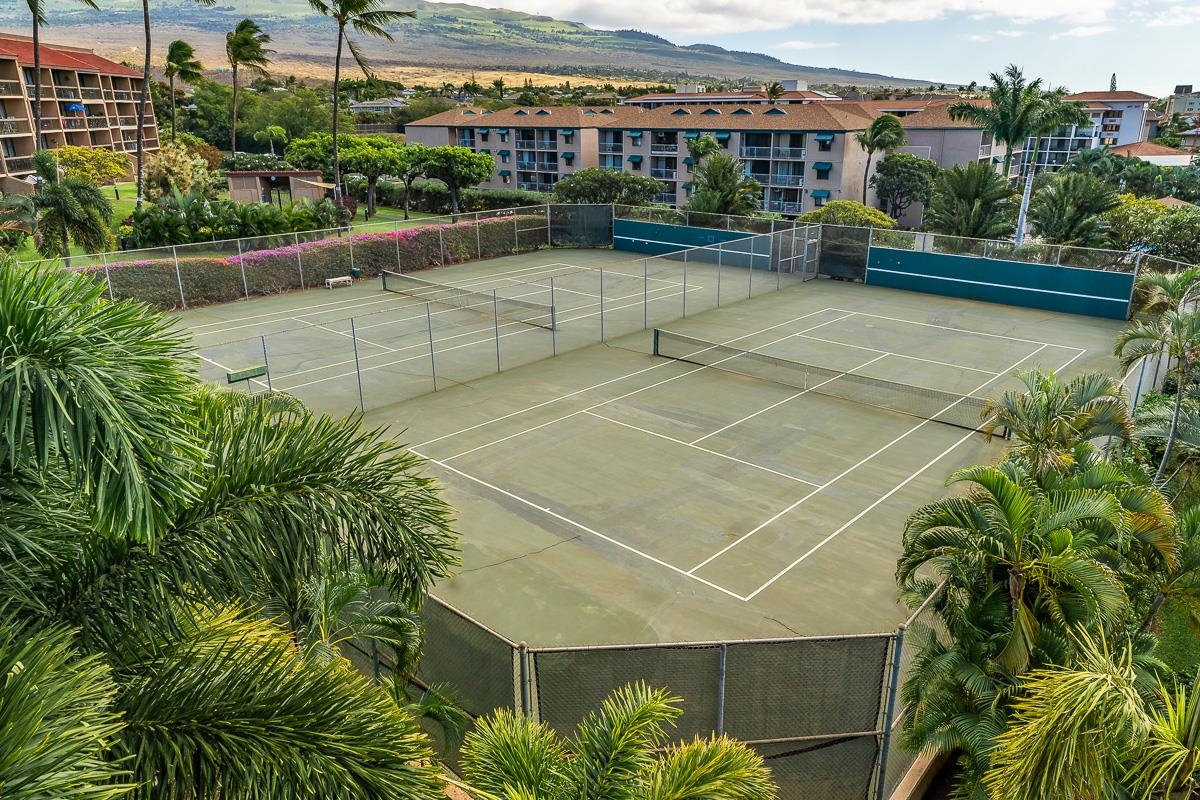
x,y
1179,645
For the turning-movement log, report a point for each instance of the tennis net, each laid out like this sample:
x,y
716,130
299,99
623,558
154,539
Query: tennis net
x,y
538,314
961,411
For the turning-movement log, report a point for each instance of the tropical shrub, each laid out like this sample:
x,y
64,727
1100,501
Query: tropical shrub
x,y
849,212
254,162
174,167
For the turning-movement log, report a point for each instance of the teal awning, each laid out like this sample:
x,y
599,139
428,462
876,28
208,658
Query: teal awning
x,y
501,130
504,152
635,134
692,135
635,159
820,193
688,186
484,131
822,165
689,160
722,136
824,137
504,173
566,132
568,156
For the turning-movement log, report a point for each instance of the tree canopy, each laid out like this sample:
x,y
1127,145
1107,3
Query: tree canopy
x,y
592,185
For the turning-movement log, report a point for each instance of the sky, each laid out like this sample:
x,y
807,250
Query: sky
x,y
1149,44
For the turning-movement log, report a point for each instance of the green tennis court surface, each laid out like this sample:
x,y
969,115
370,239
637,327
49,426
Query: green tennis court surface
x,y
608,495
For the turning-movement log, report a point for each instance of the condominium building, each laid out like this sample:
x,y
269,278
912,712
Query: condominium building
x,y
1184,101
794,91
86,100
1116,118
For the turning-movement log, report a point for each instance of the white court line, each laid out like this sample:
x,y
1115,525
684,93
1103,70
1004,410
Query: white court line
x,y
850,469
894,489
748,417
580,526
602,384
962,330
307,325
622,397
897,355
701,449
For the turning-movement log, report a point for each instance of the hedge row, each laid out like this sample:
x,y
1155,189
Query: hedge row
x,y
219,279
434,198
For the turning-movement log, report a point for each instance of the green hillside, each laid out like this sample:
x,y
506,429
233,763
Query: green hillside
x,y
444,34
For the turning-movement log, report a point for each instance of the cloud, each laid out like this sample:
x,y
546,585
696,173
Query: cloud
x,y
674,17
977,37
1011,34
1085,30
801,45
1173,16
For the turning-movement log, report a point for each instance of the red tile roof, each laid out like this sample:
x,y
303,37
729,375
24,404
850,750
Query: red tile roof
x,y
61,57
1109,96
1142,149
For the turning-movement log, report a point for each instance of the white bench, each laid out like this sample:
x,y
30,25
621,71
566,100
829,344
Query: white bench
x,y
344,280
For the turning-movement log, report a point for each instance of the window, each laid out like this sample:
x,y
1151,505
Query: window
x,y
818,201
825,147
823,174
9,149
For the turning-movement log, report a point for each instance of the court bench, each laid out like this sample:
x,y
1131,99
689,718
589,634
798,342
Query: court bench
x,y
342,280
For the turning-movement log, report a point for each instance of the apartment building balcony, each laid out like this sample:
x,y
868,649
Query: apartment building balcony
x,y
97,122
526,144
12,126
761,177
664,174
66,92
782,207
667,198
18,164
547,144
47,91
660,149
614,147
791,153
466,142
121,96
10,89
127,122
787,180
755,152
536,186
130,145
985,151
74,124
51,124
91,94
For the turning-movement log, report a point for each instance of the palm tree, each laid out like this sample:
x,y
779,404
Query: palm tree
x,y
971,201
1007,529
38,15
1175,334
1051,417
1067,210
271,134
366,17
883,134
18,212
245,46
498,85
1167,291
721,186
1011,113
1050,115
620,751
68,210
1099,161
146,518
182,64
144,95
773,91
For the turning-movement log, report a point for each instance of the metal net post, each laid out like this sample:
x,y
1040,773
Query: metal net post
x,y
267,363
602,304
178,276
432,357
362,406
242,265
107,276
496,325
685,262
299,261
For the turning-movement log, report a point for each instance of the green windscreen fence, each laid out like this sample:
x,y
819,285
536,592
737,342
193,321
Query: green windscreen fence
x,y
480,666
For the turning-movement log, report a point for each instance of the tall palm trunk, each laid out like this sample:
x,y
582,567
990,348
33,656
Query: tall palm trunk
x,y
867,175
1027,193
1173,430
233,118
174,125
37,83
142,98
337,78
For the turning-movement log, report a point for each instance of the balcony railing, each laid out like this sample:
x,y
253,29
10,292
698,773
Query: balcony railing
x,y
782,207
466,142
97,122
789,152
10,89
18,164
985,151
612,147
668,198
547,144
761,177
130,145
91,94
670,147
10,126
51,124
531,186
665,174
74,123
127,122
787,180
756,152
67,92
47,91
121,95
524,144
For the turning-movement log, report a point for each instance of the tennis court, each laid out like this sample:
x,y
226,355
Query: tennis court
x,y
717,490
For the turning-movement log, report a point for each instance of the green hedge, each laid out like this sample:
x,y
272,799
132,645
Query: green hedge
x,y
434,198
219,279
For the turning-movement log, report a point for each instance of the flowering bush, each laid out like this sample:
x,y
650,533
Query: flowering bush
x,y
273,264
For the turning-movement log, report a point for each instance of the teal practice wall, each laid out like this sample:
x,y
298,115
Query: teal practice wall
x,y
1055,288
657,238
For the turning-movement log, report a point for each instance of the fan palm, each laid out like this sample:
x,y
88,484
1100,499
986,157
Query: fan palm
x,y
246,48
721,186
1044,546
38,15
368,17
971,201
182,64
883,134
1068,209
620,751
68,210
1175,334
1051,417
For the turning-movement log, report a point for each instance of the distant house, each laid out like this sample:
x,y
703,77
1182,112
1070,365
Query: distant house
x,y
1190,140
261,186
1155,154
1172,202
383,105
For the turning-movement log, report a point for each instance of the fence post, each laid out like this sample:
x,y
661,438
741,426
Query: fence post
x,y
299,262
549,238
350,241
441,248
1058,256
889,712
396,239
553,321
432,358
178,276
753,255
720,260
602,304
107,276
242,265
362,406
685,260
267,363
516,236
721,691
523,671
645,293
496,325
478,238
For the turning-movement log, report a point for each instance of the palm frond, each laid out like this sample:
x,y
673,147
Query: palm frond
x,y
508,755
718,768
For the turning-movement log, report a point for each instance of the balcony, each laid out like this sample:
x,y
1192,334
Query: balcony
x,y
121,96
664,174
47,90
787,180
130,145
524,144
74,123
755,152
91,94
97,122
127,122
612,147
11,126
547,144
18,164
67,92
531,186
466,142
10,89
782,207
985,151
667,148
793,153
666,198
761,177
51,124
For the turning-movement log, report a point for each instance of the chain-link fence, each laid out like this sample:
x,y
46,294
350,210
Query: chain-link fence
x,y
823,712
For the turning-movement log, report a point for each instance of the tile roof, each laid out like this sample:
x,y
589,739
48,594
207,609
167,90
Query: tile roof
x,y
747,94
61,57
937,115
1142,149
1109,96
1172,202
